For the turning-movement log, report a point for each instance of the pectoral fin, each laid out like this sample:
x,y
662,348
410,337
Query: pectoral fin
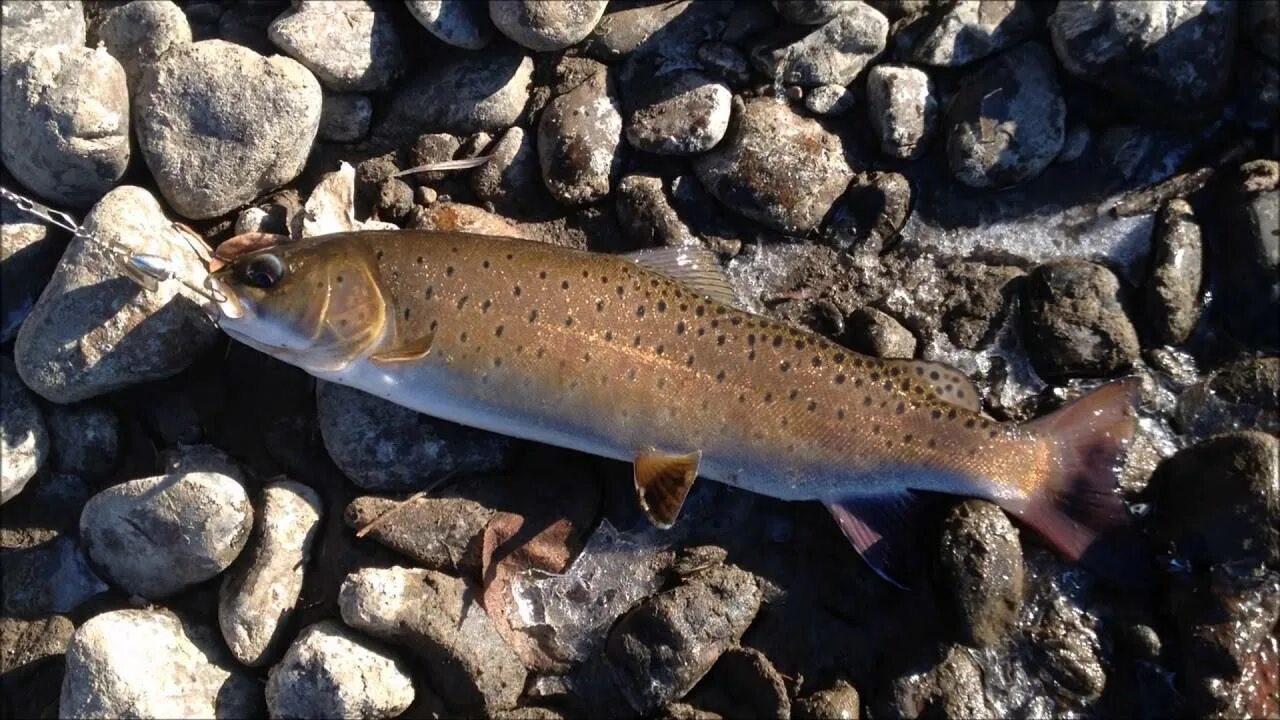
x,y
663,482
415,349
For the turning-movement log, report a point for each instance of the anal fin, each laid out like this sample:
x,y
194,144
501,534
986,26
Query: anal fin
x,y
414,349
662,483
884,530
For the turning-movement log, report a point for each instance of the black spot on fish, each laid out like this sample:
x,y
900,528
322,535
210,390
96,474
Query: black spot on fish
x,y
631,374
720,376
812,406
768,397
339,278
720,339
636,342
662,306
993,433
684,307
516,291
599,306
936,414
735,321
901,408
662,382
564,285
448,271
933,443
434,325
934,375
840,379
840,414
533,315
960,394
715,324
568,322
585,274
484,306
463,337
857,382
919,370
541,351
784,366
817,361
510,256
689,361
680,328
970,423
951,414
586,357
888,386
799,344
640,311
793,394
485,264
608,334
497,362
658,349
406,313
342,322
866,401
742,398
751,355
700,310
542,275
701,331
497,332
462,301
621,291
378,255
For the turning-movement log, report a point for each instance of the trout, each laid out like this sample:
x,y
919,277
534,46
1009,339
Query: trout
x,y
645,358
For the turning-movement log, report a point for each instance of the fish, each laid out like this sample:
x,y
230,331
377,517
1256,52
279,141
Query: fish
x,y
647,358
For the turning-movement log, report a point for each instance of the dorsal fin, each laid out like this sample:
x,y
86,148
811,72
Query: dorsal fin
x,y
949,384
663,482
694,266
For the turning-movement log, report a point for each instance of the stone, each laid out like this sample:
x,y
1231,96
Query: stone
x,y
1006,122
810,12
541,25
24,441
903,109
460,23
1075,144
723,61
431,148
330,671
579,135
218,124
25,645
776,167
951,687
870,215
28,27
1075,324
689,116
512,180
350,45
29,251
344,118
64,123
47,510
158,535
438,533
464,93
52,577
830,99
970,30
628,26
981,572
743,684
1251,255
93,331
1171,294
148,663
85,439
395,199
646,215
833,54
138,33
838,702
879,334
259,593
1238,396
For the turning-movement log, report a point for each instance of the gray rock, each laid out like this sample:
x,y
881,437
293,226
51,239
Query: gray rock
x,y
432,148
1171,294
439,619
876,333
627,26
138,33
981,570
512,180
903,109
29,252
1075,323
30,26
344,118
811,12
24,441
199,458
869,216
973,29
461,23
350,45
147,663
540,25
466,93
218,124
64,123
438,533
329,671
1006,122
258,594
52,577
832,54
723,60
646,215
776,167
830,99
93,331
579,136
385,447
838,702
85,439
689,116
155,536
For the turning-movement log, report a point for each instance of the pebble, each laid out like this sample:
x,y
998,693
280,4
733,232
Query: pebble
x,y
1171,294
1006,122
838,702
833,54
970,30
460,23
647,217
330,671
24,441
29,252
344,118
138,33
52,577
350,45
688,115
439,619
64,123
879,334
811,12
903,109
92,331
981,569
776,167
512,179
579,136
85,439
30,26
155,536
259,593
830,99
218,124
148,663
464,93
438,533
544,26
1076,325
385,447
979,301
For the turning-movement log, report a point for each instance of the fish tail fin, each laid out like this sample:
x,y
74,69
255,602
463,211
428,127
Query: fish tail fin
x,y
1077,506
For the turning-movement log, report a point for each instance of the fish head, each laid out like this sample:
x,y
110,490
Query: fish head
x,y
315,305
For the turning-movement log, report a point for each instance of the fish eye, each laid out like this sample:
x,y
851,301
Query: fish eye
x,y
262,271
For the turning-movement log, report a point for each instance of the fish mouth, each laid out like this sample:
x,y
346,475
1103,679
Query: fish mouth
x,y
226,302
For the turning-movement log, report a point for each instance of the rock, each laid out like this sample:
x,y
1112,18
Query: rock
x,y
28,647
512,180
646,215
830,99
437,617
1250,273
433,148
24,441
247,24
578,141
979,302
1161,58
395,199
64,123
85,439
876,333
258,594
1070,652
838,702
903,109
48,509
29,252
28,27
833,54
1075,323
1238,396
628,26
544,26
461,23
688,116
350,45
146,663
384,447
981,570
344,118
811,12
658,651
466,93
723,61
973,29
869,216
93,331
950,688
138,33
218,124
776,167
1075,144
330,671
1172,292
438,533
52,577
155,536
744,684
1006,122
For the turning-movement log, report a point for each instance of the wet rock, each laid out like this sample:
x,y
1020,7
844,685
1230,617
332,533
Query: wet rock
x,y
344,118
903,109
952,687
1172,292
776,167
466,93
64,123
51,577
50,507
29,252
688,116
155,536
546,26
330,671
1068,652
973,29
512,180
838,702
28,27
438,533
24,440
350,45
1006,122
218,124
832,54
981,568
578,141
829,100
385,447
138,33
93,330
1074,321
723,61
1159,57
85,439
259,593
1251,275
744,684
811,12
437,617
876,333
147,663
646,215
1238,396
461,23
